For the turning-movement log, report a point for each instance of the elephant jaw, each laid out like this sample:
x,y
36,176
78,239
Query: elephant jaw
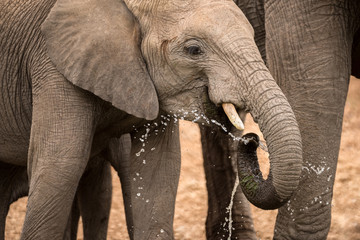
x,y
233,116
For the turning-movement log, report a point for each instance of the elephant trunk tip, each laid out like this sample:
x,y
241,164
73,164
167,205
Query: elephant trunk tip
x,y
258,191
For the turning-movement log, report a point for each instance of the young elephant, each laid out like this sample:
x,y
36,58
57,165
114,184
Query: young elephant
x,y
73,77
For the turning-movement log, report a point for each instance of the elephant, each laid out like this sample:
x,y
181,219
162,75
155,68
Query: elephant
x,y
311,48
76,74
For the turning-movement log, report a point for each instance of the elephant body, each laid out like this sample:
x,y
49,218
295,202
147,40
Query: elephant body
x,y
77,74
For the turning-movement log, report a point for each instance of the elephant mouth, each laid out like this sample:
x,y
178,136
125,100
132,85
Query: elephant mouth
x,y
202,110
224,114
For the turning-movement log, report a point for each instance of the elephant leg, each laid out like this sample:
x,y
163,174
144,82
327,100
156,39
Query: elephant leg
x,y
63,125
13,185
154,176
73,222
219,155
119,157
94,198
94,193
310,57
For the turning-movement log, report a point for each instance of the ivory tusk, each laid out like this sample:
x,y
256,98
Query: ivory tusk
x,y
233,116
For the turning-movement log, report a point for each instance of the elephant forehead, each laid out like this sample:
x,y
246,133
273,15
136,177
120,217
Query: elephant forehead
x,y
217,18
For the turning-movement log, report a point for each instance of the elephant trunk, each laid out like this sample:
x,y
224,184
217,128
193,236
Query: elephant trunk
x,y
259,93
276,120
270,108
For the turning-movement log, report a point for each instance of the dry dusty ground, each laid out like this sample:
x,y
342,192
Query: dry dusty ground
x,y
191,201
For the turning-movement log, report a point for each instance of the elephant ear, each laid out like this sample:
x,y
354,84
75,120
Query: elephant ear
x,y
96,45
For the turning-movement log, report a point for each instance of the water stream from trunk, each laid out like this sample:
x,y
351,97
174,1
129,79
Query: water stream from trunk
x,y
231,204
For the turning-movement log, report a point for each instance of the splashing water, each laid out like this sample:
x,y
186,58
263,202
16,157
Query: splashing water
x,y
198,117
139,153
182,114
229,208
163,123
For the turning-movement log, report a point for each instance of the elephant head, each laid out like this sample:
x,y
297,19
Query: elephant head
x,y
199,56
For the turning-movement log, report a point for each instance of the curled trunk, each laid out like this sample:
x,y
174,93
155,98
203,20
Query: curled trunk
x,y
277,122
255,187
262,97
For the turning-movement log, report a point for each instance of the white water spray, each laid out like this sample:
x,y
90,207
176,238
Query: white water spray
x,y
229,208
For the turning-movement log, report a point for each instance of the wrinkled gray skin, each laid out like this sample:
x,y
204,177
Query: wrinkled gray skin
x,y
311,49
73,77
93,197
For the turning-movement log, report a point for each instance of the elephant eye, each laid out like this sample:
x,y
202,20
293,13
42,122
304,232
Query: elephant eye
x,y
193,50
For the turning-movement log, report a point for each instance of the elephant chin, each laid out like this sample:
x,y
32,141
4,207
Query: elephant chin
x,y
257,190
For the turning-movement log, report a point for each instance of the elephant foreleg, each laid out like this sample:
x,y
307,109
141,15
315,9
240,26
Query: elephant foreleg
x,y
219,156
60,143
154,176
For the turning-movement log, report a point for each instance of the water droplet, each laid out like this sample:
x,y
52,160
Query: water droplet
x,y
141,151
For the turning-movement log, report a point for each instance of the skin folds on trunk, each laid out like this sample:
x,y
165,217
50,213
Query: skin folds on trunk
x,y
279,127
258,92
